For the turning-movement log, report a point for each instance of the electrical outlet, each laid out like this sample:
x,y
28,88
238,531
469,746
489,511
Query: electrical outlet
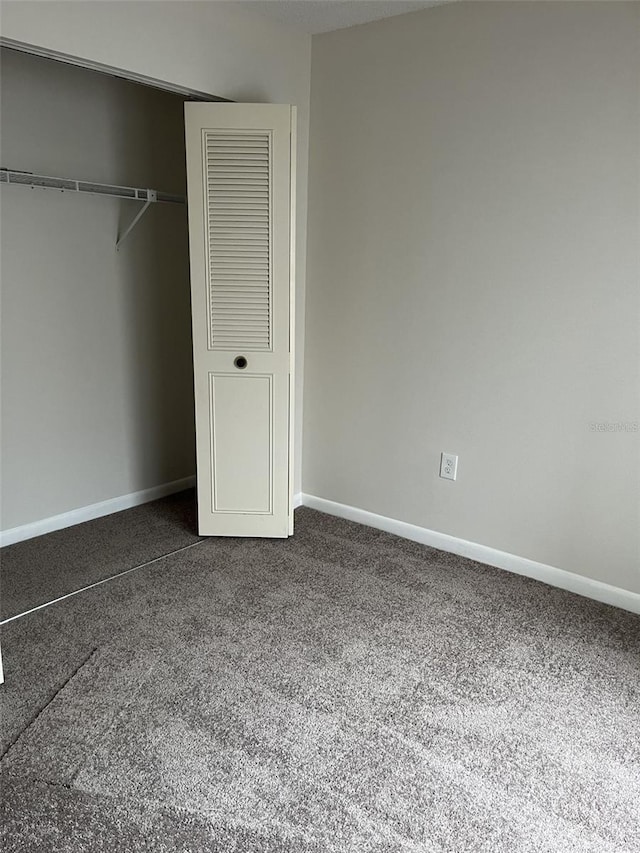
x,y
448,466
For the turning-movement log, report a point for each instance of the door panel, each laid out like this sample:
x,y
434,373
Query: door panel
x,y
241,435
239,183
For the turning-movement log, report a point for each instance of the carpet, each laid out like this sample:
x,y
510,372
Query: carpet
x,y
43,568
344,691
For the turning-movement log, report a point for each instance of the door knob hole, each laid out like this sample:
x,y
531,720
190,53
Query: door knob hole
x,y
240,362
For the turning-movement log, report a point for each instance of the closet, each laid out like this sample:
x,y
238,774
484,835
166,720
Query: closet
x,y
97,383
97,367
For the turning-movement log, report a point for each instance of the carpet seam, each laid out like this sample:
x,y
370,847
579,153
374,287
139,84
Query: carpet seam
x,y
142,682
41,711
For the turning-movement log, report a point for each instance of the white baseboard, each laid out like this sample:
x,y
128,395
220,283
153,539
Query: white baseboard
x,y
87,513
297,500
560,578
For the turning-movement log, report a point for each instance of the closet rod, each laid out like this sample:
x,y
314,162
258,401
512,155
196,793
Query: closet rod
x,y
28,179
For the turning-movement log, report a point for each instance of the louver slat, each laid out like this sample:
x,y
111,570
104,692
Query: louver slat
x,y
238,210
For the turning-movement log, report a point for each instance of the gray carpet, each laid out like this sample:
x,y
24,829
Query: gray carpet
x,y
46,567
345,691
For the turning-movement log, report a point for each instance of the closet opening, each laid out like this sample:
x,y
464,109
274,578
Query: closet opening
x,y
97,375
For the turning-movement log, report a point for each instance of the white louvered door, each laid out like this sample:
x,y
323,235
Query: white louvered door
x,y
240,187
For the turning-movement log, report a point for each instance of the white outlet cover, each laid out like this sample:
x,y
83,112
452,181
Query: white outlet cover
x,y
448,466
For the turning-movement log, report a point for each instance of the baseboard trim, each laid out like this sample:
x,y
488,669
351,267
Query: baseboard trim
x,y
87,513
297,500
551,575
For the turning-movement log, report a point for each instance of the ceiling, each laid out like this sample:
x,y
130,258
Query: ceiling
x,y
321,16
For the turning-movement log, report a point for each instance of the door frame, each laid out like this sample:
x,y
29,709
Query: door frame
x,y
293,179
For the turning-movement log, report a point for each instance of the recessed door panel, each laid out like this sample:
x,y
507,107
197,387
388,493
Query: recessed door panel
x,y
242,443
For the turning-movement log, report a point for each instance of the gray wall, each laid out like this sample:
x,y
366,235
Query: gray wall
x,y
473,277
97,396
222,48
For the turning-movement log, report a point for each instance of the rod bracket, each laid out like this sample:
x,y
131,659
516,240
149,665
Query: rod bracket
x,y
152,196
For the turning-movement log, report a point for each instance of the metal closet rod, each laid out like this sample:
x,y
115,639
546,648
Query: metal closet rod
x,y
28,179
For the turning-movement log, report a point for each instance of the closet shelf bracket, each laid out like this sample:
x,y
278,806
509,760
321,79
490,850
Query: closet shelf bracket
x,y
29,179
151,197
